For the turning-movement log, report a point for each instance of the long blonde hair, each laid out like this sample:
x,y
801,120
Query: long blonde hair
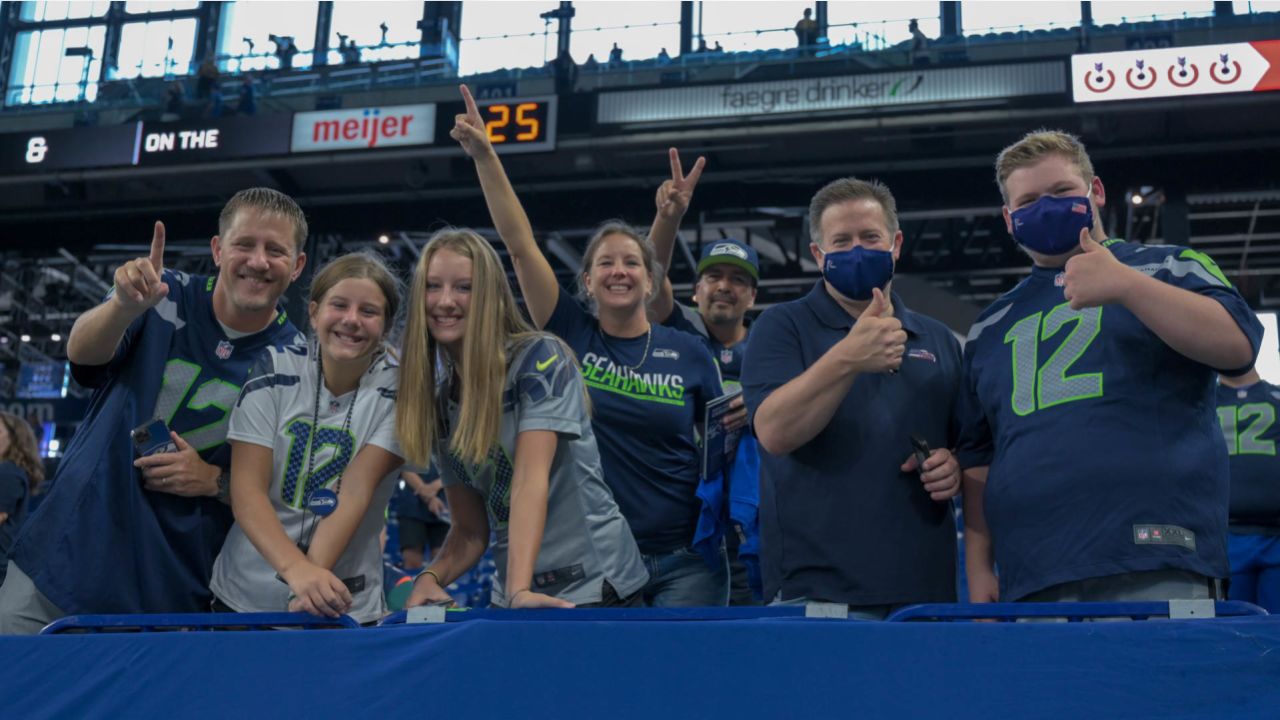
x,y
493,321
23,450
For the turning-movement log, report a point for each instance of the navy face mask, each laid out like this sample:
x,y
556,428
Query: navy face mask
x,y
1052,225
857,271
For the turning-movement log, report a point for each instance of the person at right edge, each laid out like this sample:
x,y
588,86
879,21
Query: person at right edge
x,y
1094,465
1247,413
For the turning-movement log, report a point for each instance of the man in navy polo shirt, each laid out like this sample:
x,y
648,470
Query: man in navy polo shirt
x,y
837,384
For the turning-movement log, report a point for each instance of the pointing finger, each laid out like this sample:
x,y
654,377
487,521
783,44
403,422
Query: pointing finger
x,y
157,247
473,112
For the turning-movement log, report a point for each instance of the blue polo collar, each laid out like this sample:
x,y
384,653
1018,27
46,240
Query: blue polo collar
x,y
830,313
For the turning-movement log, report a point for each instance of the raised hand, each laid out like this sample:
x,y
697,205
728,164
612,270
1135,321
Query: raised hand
x,y
468,128
674,195
1094,277
138,283
877,340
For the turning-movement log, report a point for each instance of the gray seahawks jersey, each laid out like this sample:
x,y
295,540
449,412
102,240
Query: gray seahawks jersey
x,y
275,410
586,539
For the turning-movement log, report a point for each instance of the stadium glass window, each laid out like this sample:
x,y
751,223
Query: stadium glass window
x,y
43,71
641,30
53,11
150,6
876,26
1115,13
497,35
1245,7
747,26
361,22
248,24
153,49
981,18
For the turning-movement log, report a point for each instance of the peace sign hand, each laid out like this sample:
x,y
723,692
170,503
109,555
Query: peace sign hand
x,y
675,194
469,129
138,283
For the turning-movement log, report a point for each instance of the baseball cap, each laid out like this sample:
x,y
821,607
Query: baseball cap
x,y
731,252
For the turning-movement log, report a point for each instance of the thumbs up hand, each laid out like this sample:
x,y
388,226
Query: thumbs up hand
x,y
138,283
877,340
1094,277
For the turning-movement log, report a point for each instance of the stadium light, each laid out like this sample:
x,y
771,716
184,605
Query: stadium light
x,y
25,337
55,337
384,239
1136,199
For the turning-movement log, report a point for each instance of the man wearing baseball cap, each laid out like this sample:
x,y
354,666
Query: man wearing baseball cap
x,y
728,273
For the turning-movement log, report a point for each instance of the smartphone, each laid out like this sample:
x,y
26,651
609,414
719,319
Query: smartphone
x,y
920,449
152,438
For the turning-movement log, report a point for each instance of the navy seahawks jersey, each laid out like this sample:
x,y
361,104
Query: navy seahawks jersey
x,y
649,396
1248,419
689,320
1104,449
101,542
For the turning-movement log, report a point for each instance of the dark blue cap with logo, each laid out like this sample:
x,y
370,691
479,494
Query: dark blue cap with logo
x,y
732,252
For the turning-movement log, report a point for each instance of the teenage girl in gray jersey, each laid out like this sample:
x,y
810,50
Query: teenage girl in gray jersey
x,y
314,457
504,410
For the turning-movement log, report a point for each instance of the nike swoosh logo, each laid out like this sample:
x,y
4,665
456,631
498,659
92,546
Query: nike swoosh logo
x,y
546,363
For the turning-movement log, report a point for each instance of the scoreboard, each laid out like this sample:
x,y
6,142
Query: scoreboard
x,y
524,125
514,125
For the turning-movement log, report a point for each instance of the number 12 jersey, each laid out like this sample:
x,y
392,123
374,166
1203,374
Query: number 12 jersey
x,y
1104,448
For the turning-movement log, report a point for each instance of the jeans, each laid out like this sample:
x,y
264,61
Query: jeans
x,y
681,578
1255,569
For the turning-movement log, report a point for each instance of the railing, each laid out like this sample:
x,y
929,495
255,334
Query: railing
x,y
867,42
195,621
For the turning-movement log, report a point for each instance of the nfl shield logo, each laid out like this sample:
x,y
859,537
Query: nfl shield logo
x,y
223,351
1143,534
1060,280
726,356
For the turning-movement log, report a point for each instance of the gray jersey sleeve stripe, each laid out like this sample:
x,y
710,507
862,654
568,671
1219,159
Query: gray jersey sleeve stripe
x,y
1181,268
267,381
978,327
